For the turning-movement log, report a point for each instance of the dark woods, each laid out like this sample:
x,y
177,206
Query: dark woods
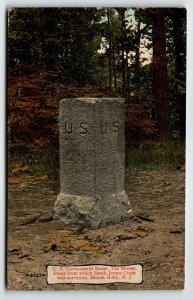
x,y
55,53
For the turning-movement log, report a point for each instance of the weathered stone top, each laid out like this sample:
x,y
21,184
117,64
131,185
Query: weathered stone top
x,y
93,100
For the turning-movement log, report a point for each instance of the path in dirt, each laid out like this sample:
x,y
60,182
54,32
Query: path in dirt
x,y
157,245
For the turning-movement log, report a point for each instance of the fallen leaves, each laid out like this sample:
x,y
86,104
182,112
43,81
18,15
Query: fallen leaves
x,y
44,177
125,237
144,218
140,215
141,232
25,174
73,242
18,253
16,180
23,179
19,170
181,167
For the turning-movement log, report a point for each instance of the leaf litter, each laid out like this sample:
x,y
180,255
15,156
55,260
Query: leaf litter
x,y
74,242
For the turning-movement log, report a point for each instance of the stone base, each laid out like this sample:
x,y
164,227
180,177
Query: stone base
x,y
91,212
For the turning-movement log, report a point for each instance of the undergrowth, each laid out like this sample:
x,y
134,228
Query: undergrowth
x,y
144,157
41,164
155,156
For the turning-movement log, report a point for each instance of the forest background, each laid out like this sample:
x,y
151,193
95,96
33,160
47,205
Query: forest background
x,y
138,54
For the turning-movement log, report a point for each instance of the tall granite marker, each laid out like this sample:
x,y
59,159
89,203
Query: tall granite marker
x,y
92,163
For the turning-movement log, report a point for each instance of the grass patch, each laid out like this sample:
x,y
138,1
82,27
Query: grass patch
x,y
144,157
13,164
155,156
41,165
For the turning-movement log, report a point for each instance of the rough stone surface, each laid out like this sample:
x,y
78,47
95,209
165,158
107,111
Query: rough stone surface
x,y
92,163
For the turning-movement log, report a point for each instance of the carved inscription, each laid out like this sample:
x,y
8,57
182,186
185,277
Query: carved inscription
x,y
116,126
68,127
83,128
104,126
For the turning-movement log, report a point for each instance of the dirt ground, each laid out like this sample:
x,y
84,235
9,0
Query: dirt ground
x,y
153,237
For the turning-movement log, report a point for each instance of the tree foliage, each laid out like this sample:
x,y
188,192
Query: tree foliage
x,y
71,52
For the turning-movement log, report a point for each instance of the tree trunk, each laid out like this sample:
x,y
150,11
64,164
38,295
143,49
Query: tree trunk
x,y
127,74
137,60
177,17
123,48
159,73
110,49
114,69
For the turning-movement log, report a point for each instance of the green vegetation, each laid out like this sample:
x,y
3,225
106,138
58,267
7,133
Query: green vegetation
x,y
155,156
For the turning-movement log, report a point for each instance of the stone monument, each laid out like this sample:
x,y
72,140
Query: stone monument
x,y
92,163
